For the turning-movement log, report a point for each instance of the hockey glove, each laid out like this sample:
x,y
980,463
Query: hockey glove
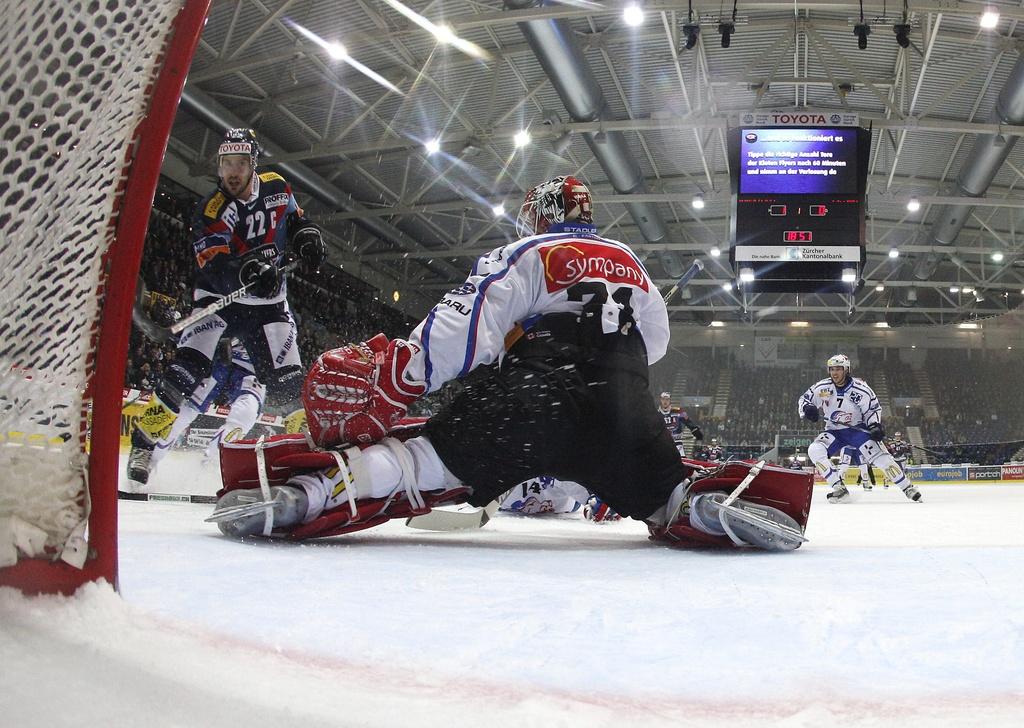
x,y
359,392
307,241
811,413
876,431
262,276
597,510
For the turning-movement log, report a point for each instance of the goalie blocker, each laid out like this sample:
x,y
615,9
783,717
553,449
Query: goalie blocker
x,y
275,488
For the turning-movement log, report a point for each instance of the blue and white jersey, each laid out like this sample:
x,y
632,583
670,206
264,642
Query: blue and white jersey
x,y
231,378
852,405
545,495
561,271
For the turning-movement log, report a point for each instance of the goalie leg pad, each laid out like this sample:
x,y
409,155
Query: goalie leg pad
x,y
747,524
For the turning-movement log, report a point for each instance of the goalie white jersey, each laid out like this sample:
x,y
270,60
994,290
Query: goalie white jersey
x,y
518,283
852,405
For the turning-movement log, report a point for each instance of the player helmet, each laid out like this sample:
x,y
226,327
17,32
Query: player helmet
x,y
561,199
240,141
897,435
666,394
839,360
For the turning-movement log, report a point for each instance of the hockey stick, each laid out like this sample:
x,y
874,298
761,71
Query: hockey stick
x,y
223,302
440,519
696,267
755,470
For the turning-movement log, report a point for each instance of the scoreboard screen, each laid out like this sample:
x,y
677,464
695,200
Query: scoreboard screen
x,y
798,206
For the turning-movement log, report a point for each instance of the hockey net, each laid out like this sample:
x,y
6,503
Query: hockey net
x,y
88,92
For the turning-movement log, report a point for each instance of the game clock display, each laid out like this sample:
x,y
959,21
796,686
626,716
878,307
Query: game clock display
x,y
798,197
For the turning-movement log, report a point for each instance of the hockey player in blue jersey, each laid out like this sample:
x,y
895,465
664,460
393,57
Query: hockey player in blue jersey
x,y
234,378
675,419
853,418
244,233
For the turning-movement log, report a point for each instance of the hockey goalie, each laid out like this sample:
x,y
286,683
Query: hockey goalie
x,y
552,337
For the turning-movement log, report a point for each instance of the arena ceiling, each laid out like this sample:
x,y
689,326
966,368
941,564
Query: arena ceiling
x,y
346,95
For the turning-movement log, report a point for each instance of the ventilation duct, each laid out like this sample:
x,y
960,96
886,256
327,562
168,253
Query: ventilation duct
x,y
976,174
553,43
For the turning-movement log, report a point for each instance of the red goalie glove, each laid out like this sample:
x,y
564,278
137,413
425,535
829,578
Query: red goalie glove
x,y
357,393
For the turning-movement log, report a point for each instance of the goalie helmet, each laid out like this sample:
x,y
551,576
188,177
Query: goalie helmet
x,y
839,360
240,141
562,199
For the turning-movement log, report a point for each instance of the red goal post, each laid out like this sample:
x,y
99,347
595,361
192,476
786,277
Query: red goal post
x,y
88,93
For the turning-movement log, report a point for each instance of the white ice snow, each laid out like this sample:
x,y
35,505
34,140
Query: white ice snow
x,y
895,613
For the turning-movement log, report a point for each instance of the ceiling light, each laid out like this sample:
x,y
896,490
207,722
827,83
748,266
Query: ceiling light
x,y
913,346
989,19
718,324
715,252
968,325
336,51
727,286
432,146
879,288
746,274
799,324
698,202
849,275
521,139
862,31
633,15
726,30
881,325
893,253
443,33
1009,348
954,289
997,257
914,204
967,289
395,296
902,31
692,32
498,210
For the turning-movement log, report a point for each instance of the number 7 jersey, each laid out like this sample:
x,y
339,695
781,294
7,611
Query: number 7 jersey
x,y
559,271
852,405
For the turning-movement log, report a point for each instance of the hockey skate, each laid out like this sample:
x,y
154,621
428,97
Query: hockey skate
x,y
745,523
912,493
241,513
139,466
866,484
838,494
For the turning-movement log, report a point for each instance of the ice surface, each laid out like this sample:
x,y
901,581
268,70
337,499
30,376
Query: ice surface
x,y
895,613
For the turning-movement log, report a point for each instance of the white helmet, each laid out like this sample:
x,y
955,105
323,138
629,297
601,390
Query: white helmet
x,y
839,360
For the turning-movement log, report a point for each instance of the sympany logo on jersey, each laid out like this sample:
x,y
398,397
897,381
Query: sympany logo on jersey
x,y
566,263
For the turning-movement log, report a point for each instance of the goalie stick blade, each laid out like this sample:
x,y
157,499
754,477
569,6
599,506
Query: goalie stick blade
x,y
440,519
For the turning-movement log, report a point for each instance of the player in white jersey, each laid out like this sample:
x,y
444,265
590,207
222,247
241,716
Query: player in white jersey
x,y
853,418
552,336
545,494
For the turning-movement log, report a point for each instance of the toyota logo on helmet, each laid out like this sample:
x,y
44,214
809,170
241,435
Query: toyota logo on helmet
x,y
562,199
240,141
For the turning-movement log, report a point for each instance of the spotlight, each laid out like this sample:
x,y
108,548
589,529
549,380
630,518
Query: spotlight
x,y
989,19
633,15
432,146
521,139
698,202
727,286
879,288
692,32
746,274
849,275
893,253
954,289
498,210
997,257
715,252
902,31
914,204
726,30
862,31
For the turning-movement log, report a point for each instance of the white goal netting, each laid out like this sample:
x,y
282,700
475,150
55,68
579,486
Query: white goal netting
x,y
74,77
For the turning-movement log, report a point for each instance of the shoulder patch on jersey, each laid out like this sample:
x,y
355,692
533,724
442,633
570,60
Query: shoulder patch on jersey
x,y
270,177
215,205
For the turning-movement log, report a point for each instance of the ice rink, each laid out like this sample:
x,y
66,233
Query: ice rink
x,y
894,613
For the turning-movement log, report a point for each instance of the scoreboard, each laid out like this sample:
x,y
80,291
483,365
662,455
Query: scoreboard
x,y
798,206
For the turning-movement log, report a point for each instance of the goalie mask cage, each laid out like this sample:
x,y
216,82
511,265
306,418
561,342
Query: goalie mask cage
x,y
88,93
